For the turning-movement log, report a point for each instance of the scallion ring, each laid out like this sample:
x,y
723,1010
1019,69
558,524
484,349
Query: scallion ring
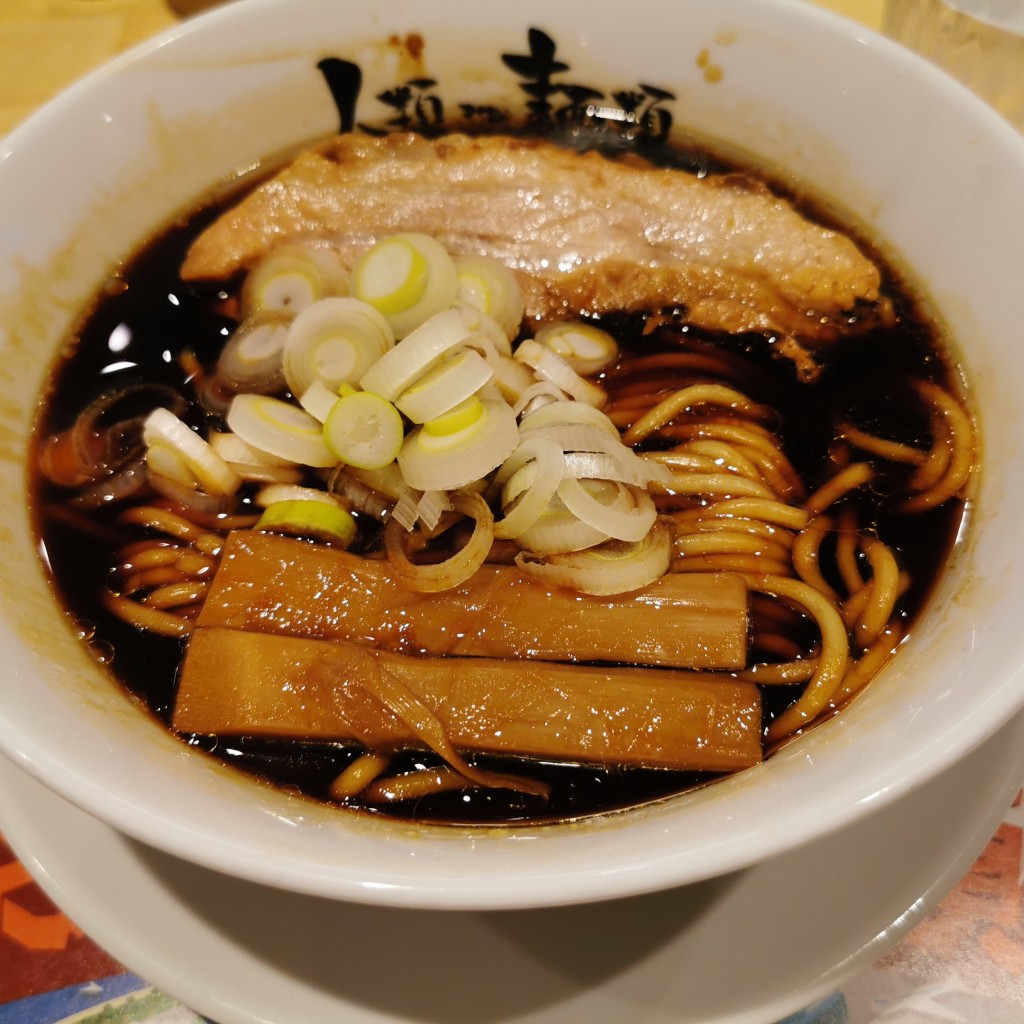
x,y
292,277
408,277
334,341
433,459
450,382
251,358
491,287
309,517
552,367
542,461
364,430
614,567
584,346
459,567
280,428
627,517
211,472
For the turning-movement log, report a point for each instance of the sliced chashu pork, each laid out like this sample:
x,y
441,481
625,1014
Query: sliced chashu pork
x,y
585,232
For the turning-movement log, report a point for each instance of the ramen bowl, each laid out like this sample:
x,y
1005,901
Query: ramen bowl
x,y
869,132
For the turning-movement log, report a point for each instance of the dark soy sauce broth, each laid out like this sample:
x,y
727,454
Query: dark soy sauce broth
x,y
146,317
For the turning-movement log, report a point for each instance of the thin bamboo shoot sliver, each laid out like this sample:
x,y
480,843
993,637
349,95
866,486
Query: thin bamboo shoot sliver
x,y
279,585
241,683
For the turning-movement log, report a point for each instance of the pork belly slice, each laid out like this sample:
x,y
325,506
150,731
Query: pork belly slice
x,y
586,233
239,683
271,584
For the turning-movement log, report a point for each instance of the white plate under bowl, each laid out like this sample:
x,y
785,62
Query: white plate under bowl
x,y
747,948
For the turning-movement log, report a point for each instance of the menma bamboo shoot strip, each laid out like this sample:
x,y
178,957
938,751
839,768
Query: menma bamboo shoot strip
x,y
273,584
235,682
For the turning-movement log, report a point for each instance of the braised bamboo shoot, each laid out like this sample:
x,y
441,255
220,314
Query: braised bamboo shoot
x,y
276,584
243,683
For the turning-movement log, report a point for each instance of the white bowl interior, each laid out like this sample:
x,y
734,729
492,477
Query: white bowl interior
x,y
896,148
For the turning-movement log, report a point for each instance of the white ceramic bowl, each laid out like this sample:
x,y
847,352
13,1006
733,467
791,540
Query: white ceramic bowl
x,y
898,149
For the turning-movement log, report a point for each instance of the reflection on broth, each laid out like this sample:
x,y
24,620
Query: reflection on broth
x,y
378,495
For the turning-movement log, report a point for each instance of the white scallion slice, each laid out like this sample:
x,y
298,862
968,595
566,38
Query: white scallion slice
x,y
537,463
552,367
454,570
251,360
334,341
292,277
309,517
387,480
444,386
437,460
491,287
480,323
585,347
415,354
512,378
280,428
538,395
273,493
568,412
231,448
166,461
408,277
582,437
627,517
318,400
559,530
601,466
211,472
364,430
614,567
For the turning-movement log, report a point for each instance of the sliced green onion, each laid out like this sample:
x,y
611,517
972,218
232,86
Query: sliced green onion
x,y
567,412
231,448
408,277
364,430
274,493
313,518
627,517
535,469
491,287
614,567
552,367
443,387
251,358
292,277
211,472
512,379
433,460
318,400
425,508
169,462
459,567
559,530
465,414
480,323
539,394
334,341
387,480
586,348
280,428
415,354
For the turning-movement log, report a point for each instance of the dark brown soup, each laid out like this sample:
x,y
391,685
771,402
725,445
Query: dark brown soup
x,y
148,327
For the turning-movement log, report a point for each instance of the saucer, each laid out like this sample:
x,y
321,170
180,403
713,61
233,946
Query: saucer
x,y
746,948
